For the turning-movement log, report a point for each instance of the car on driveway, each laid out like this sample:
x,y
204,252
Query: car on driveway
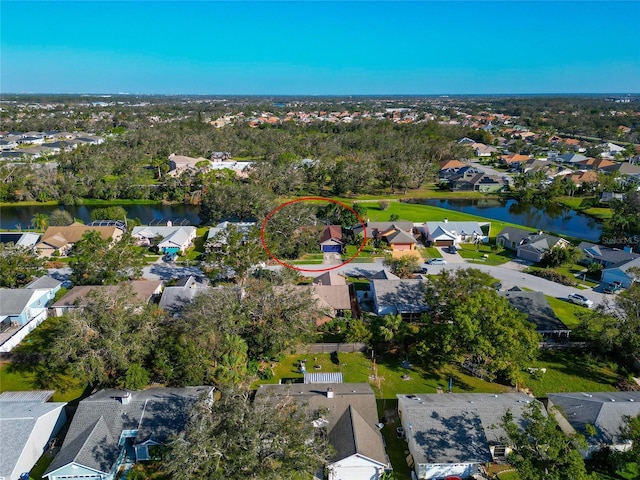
x,y
580,300
612,287
437,261
452,249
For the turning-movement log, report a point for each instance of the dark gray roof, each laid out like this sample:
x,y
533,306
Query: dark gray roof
x,y
603,410
514,234
352,415
376,228
458,427
175,298
92,439
626,265
384,274
606,254
405,296
17,423
540,242
537,308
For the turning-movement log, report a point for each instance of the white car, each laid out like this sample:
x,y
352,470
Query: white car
x,y
437,261
580,300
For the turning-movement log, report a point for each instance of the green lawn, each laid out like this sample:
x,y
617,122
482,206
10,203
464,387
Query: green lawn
x,y
414,212
571,371
357,368
33,375
430,252
566,311
484,254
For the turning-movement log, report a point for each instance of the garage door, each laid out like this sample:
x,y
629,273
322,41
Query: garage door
x,y
332,248
443,243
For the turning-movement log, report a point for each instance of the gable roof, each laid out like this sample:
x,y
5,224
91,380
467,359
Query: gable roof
x,y
351,415
92,438
606,254
625,265
540,242
384,274
77,296
13,301
45,282
18,423
513,234
376,228
331,232
399,237
448,164
602,410
537,308
330,278
336,296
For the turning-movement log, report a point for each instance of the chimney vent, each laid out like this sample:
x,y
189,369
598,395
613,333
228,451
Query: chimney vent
x,y
126,398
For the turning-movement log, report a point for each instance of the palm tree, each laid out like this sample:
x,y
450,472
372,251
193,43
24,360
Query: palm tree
x,y
40,221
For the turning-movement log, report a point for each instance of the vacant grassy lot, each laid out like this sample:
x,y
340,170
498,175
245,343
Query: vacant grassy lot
x,y
483,254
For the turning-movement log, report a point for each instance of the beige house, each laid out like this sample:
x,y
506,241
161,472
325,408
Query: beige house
x,y
62,239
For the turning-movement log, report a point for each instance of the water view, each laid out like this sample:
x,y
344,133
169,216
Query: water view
x,y
551,218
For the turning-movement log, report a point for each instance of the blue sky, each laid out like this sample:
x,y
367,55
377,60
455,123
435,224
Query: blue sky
x,y
317,48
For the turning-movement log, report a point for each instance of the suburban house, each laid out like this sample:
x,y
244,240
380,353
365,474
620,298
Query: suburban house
x,y
398,239
606,197
376,229
453,434
571,158
23,309
596,163
538,311
331,239
624,168
174,239
113,427
61,239
580,177
350,416
606,256
217,236
621,272
28,422
405,297
482,150
184,291
77,298
451,165
181,163
333,292
447,233
528,245
20,239
605,411
513,159
480,182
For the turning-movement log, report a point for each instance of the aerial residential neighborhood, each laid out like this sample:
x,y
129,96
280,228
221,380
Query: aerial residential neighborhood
x,y
390,240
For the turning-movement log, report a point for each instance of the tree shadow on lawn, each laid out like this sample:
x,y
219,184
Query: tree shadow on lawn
x,y
581,365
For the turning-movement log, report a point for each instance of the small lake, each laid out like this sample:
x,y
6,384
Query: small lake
x,y
20,217
551,218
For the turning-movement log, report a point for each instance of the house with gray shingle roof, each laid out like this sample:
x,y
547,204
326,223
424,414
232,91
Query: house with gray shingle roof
x,y
351,418
449,233
606,256
174,239
111,423
538,311
28,423
528,245
605,411
622,272
453,434
405,297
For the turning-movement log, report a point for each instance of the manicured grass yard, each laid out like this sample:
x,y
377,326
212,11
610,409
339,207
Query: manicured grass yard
x,y
571,371
358,368
566,311
414,212
477,255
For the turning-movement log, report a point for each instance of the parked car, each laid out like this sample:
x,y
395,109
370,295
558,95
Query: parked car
x,y
423,270
452,249
580,300
437,261
169,257
612,287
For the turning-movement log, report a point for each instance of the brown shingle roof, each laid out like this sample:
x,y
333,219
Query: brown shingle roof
x,y
61,236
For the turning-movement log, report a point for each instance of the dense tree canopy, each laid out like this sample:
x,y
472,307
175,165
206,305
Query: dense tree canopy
x,y
234,438
541,451
18,266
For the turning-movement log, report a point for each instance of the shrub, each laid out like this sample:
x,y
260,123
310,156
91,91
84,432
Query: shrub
x,y
554,276
383,204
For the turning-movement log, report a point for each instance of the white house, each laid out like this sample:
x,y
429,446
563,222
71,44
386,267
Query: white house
x,y
174,239
450,233
453,434
351,420
27,422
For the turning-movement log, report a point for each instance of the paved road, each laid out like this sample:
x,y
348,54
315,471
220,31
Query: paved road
x,y
508,277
